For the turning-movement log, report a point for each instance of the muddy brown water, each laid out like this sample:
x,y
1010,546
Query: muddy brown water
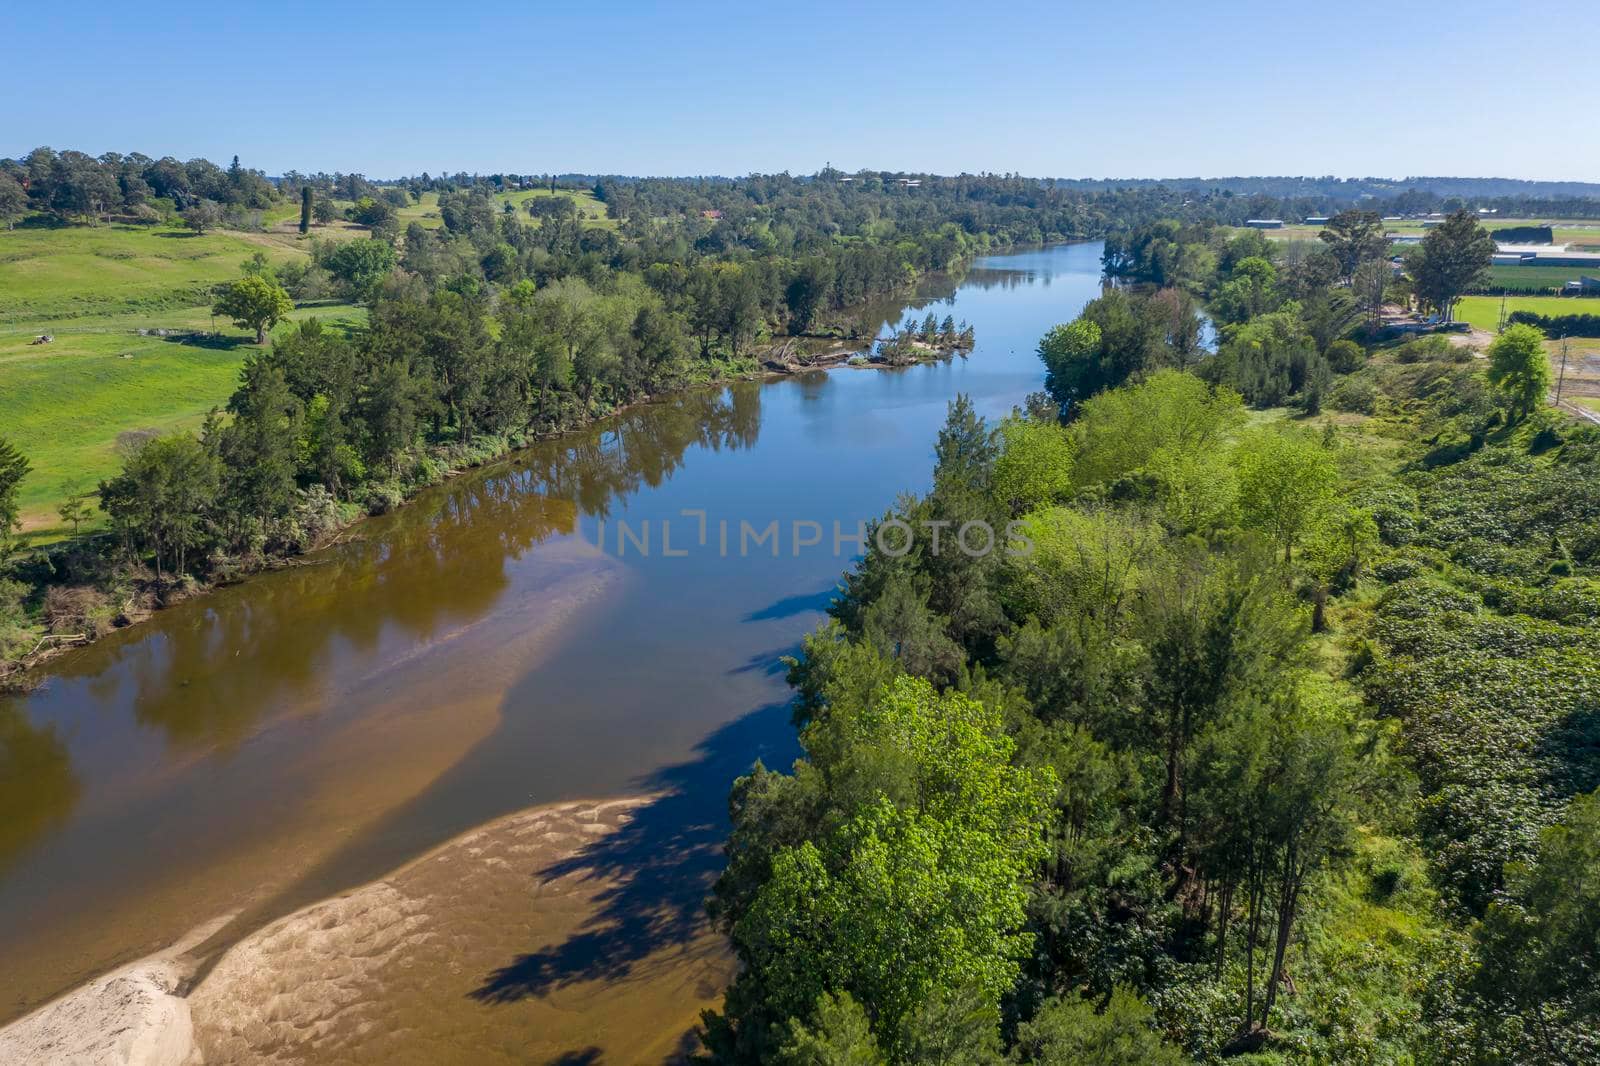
x,y
545,628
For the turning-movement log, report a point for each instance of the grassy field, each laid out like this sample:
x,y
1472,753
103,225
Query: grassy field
x,y
1576,232
56,273
592,211
1484,311
426,210
66,403
1547,277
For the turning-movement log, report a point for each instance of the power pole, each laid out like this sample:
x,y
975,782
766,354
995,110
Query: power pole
x,y
1561,380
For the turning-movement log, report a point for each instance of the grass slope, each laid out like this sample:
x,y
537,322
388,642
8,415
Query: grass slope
x,y
49,273
66,403
592,211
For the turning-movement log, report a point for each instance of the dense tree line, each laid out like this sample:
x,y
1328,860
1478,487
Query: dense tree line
x,y
1284,312
71,185
1574,325
1130,778
1178,771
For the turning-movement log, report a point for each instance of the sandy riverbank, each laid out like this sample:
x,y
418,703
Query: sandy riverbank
x,y
475,952
331,764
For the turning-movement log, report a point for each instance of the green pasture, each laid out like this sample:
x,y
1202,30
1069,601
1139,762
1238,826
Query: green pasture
x,y
1483,312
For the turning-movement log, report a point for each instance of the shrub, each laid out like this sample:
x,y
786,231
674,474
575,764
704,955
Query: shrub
x,y
1345,356
317,514
1427,349
1355,395
383,498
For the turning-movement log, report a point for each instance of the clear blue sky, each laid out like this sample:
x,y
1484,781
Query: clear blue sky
x,y
1114,88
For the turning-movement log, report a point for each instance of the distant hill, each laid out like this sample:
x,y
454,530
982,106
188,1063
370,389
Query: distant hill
x,y
1358,188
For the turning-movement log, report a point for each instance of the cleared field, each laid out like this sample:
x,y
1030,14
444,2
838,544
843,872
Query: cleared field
x,y
1546,277
592,211
1483,312
1577,232
48,273
65,404
426,211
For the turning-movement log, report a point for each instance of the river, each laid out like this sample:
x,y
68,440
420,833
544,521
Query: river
x,y
481,652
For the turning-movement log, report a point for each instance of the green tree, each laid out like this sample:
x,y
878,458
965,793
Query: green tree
x,y
359,266
324,211
1169,414
1251,290
915,894
1285,482
1519,367
1069,352
255,302
13,200
13,468
202,215
1370,285
75,509
1345,356
1268,359
259,445
388,410
809,292
1183,326
1354,237
305,209
1034,466
841,1035
325,449
738,303
1276,797
1336,553
1452,257
1071,1032
161,500
370,212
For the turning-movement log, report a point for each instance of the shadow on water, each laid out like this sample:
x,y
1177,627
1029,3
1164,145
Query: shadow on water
x,y
660,866
790,606
767,663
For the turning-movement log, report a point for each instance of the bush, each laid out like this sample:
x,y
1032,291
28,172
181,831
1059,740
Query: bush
x,y
1427,349
1345,356
383,498
1400,568
317,514
1355,395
